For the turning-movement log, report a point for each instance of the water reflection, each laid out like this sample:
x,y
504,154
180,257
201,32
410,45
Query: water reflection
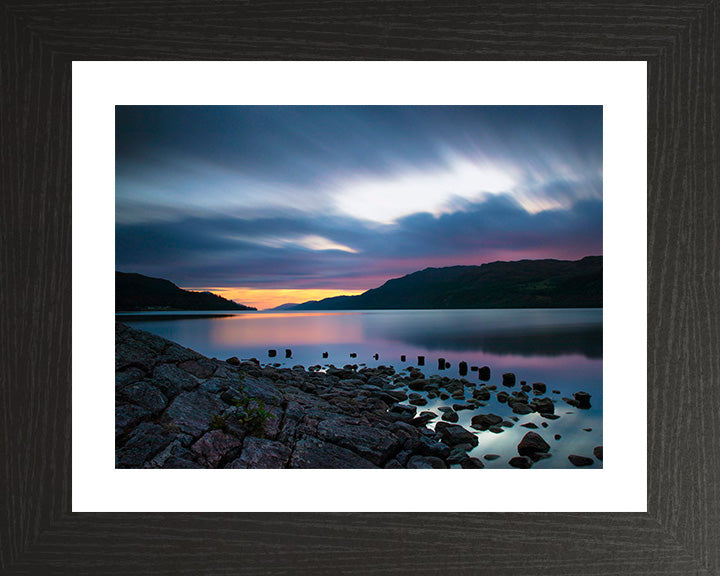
x,y
562,348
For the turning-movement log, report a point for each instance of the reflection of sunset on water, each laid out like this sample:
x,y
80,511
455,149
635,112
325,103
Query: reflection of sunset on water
x,y
274,330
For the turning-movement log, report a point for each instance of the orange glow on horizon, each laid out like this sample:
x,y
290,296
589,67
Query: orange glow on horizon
x,y
263,299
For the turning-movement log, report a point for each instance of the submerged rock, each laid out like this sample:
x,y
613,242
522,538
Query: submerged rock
x,y
580,460
598,452
425,462
520,462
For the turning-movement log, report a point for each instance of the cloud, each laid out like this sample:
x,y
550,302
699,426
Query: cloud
x,y
349,196
312,252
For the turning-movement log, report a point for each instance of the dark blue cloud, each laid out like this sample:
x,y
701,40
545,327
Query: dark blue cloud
x,y
247,195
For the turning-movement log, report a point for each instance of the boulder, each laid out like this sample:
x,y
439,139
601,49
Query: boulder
x,y
403,412
491,456
485,421
580,460
472,463
520,462
583,400
508,379
417,385
423,418
598,452
531,444
542,405
484,373
520,407
450,416
452,434
539,387
481,394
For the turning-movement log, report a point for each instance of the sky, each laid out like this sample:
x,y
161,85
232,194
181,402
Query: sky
x,y
273,204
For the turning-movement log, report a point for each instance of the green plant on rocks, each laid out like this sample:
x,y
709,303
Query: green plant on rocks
x,y
218,423
252,412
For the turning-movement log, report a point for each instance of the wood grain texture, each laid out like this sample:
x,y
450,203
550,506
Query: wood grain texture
x,y
681,532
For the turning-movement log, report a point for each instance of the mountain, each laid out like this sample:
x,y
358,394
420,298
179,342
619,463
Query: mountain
x,y
521,284
288,306
135,292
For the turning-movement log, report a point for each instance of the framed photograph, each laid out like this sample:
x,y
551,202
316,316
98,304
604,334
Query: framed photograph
x,y
561,418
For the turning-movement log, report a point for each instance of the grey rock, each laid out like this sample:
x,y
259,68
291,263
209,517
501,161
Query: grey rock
x,y
215,447
177,462
145,395
312,452
143,444
200,367
128,376
171,381
370,442
128,416
261,453
192,412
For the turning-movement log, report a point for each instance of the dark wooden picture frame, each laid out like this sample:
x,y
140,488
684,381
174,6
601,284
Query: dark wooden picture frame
x,y
680,533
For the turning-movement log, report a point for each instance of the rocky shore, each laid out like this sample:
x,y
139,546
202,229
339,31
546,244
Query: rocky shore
x,y
178,409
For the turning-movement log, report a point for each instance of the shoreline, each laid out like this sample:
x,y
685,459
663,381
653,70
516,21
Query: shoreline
x,y
178,409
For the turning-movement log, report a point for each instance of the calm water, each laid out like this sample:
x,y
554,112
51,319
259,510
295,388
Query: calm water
x,y
562,348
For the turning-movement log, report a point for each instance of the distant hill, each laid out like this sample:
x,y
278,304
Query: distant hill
x,y
135,292
288,306
521,284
